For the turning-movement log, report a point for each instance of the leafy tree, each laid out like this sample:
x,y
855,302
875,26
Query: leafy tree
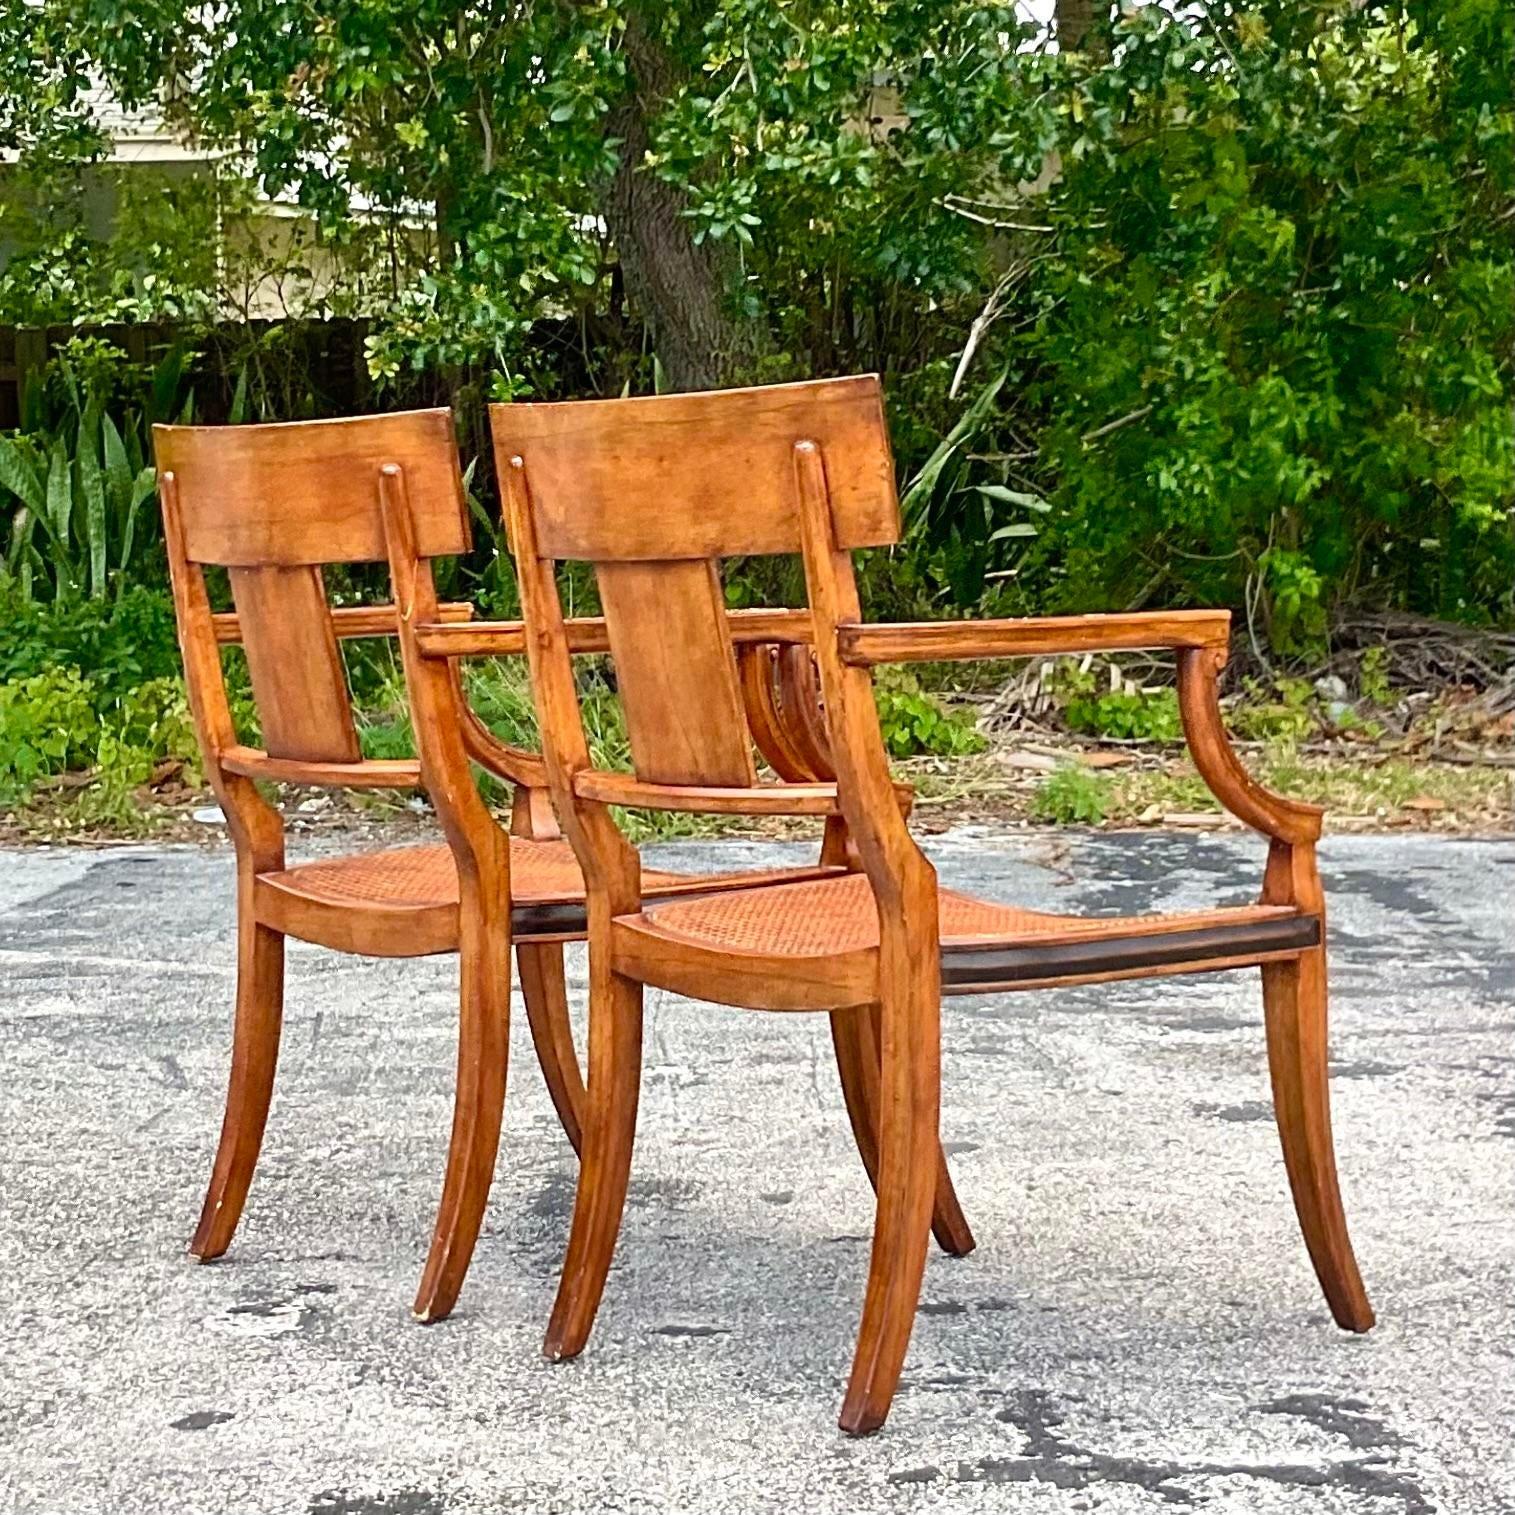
x,y
1262,349
732,167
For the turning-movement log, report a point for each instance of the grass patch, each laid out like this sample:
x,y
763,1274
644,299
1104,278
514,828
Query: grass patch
x,y
1072,795
1387,791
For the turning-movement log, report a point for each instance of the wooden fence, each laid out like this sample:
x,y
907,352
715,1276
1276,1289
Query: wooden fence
x,y
321,363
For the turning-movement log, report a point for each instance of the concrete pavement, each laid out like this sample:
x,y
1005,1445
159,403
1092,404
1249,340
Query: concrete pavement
x,y
1139,1330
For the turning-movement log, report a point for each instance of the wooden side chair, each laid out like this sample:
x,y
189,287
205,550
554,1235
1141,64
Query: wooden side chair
x,y
273,505
653,492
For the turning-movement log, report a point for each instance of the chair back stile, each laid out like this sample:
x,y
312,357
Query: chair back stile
x,y
903,879
256,828
610,864
480,848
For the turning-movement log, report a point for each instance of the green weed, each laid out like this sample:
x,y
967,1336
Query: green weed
x,y
917,724
1072,795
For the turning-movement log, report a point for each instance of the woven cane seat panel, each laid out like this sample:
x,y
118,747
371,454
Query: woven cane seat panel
x,y
425,877
827,917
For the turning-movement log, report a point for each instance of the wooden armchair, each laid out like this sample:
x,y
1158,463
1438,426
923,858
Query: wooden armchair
x,y
272,505
807,468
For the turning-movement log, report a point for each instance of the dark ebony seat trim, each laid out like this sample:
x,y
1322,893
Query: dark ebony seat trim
x,y
570,918
996,966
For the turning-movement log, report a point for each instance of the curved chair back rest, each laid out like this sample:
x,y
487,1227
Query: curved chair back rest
x,y
654,492
273,504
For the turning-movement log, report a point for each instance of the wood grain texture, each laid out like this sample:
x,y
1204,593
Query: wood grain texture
x,y
749,980
404,901
257,833
589,634
802,925
612,875
676,672
866,646
1063,975
882,973
544,983
801,709
516,765
298,682
776,740
1227,779
904,887
698,475
481,854
347,621
368,773
306,492
855,1039
607,788
1294,1005
255,1053
272,504
615,1071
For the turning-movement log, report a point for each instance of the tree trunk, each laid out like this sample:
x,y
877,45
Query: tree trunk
x,y
1076,19
683,292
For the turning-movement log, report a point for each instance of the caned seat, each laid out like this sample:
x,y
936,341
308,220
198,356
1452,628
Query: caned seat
x,y
985,945
403,901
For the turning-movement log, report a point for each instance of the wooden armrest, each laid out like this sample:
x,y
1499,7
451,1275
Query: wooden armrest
x,y
950,641
347,621
490,639
371,773
1275,815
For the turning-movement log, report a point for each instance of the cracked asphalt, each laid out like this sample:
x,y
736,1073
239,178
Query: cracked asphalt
x,y
1139,1330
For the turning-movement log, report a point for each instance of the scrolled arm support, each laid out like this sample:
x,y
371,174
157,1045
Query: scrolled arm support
x,y
516,765
1274,815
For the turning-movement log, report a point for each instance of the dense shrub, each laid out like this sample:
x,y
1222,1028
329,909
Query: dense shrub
x,y
1261,349
121,642
91,686
1072,795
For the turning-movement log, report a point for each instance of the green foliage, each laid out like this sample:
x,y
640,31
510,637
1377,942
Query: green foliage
x,y
47,724
77,516
1120,709
1373,676
1223,313
62,721
1280,710
1144,715
93,687
1072,795
121,643
915,723
1264,345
